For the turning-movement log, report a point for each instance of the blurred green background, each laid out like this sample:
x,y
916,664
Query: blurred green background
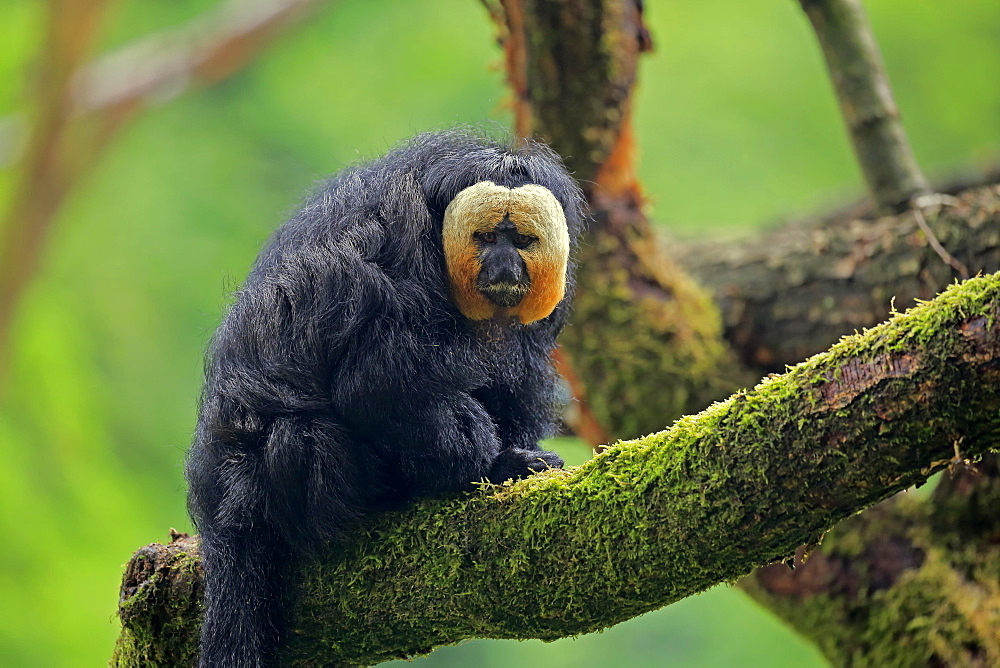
x,y
737,127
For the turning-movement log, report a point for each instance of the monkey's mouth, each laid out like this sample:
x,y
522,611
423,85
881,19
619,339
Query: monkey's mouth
x,y
504,294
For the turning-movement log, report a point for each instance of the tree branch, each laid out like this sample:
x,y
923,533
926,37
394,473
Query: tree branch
x,y
202,52
647,522
794,290
80,108
904,583
866,102
49,168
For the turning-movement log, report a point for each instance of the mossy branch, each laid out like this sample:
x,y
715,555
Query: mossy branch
x,y
647,522
911,582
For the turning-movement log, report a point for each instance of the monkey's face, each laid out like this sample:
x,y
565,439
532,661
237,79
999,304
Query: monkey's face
x,y
506,250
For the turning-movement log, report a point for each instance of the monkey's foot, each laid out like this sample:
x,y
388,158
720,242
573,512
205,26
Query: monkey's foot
x,y
516,463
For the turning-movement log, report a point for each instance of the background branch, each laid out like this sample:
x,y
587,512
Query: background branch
x,y
49,167
866,102
157,68
79,108
795,289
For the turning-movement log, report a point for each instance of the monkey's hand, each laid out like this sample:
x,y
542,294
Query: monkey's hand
x,y
516,463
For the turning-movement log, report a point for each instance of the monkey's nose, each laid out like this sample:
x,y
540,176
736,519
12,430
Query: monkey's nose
x,y
507,274
504,278
503,266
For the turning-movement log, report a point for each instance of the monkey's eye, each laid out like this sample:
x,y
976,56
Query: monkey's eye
x,y
523,240
489,237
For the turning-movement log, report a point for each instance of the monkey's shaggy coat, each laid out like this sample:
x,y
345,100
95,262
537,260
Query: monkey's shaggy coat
x,y
344,379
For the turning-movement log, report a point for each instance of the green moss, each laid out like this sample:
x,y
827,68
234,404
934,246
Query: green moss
x,y
942,605
672,361
652,520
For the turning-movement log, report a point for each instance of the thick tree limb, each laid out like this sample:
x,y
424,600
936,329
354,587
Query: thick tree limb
x,y
906,560
647,522
794,290
866,102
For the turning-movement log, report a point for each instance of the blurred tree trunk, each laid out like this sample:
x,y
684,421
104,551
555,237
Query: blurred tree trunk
x,y
646,342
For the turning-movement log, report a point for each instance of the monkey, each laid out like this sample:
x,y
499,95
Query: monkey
x,y
392,341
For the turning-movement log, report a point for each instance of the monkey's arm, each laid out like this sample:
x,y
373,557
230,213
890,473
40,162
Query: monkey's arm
x,y
523,404
523,398
423,442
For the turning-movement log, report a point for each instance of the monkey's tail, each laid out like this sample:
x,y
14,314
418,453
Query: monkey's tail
x,y
244,571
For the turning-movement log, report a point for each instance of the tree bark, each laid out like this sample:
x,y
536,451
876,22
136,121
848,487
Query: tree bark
x,y
904,583
648,521
796,295
794,290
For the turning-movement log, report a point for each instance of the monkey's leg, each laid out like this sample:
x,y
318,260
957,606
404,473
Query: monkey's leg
x,y
243,573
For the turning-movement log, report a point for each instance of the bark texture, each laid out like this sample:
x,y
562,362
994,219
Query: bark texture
x,y
794,290
903,584
648,521
160,605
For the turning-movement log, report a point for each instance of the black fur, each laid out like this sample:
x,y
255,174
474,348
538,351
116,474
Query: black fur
x,y
344,380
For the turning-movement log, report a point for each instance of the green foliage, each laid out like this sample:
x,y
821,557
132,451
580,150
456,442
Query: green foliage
x,y
736,122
